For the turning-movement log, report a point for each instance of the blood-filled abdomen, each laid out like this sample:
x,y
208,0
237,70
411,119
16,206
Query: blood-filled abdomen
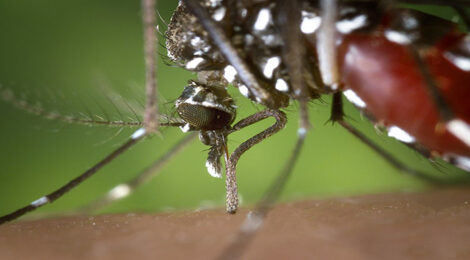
x,y
386,77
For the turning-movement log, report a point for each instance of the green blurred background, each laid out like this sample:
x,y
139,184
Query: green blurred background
x,y
73,56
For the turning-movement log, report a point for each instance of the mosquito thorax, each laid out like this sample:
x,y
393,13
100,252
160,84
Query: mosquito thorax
x,y
205,107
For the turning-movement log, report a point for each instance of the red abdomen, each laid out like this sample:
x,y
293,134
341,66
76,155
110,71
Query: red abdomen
x,y
385,76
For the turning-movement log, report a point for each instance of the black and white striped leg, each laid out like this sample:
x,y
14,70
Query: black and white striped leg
x,y
231,163
337,115
51,197
125,189
254,219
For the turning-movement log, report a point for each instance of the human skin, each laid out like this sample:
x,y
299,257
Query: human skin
x,y
429,225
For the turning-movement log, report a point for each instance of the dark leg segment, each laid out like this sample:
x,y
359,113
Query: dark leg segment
x,y
287,21
337,115
231,163
123,190
444,109
254,219
51,197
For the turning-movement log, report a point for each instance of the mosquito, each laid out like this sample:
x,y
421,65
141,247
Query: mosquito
x,y
267,74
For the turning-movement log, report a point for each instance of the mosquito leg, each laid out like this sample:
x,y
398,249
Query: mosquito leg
x,y
254,219
123,190
51,197
288,21
337,115
231,163
150,43
326,46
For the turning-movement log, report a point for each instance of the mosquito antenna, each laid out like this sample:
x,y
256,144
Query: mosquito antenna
x,y
51,197
22,104
123,190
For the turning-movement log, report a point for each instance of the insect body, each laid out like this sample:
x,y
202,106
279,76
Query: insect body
x,y
380,68
387,60
396,65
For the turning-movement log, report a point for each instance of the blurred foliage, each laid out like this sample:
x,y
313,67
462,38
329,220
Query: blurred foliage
x,y
75,56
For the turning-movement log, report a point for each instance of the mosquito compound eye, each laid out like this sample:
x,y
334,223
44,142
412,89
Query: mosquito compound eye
x,y
204,117
205,107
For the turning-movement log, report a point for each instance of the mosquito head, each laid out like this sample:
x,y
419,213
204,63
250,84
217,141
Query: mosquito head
x,y
205,107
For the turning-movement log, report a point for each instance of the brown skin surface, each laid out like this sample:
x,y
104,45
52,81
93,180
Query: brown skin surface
x,y
430,225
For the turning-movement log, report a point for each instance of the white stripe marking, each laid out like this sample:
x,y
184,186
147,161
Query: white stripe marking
x,y
230,73
397,37
219,14
281,85
463,162
192,64
310,22
120,191
185,128
39,202
460,129
213,171
461,62
271,64
263,19
138,134
244,90
354,98
347,26
400,134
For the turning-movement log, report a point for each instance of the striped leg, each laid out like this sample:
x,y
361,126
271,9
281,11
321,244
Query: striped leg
x,y
337,115
51,197
150,124
125,189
